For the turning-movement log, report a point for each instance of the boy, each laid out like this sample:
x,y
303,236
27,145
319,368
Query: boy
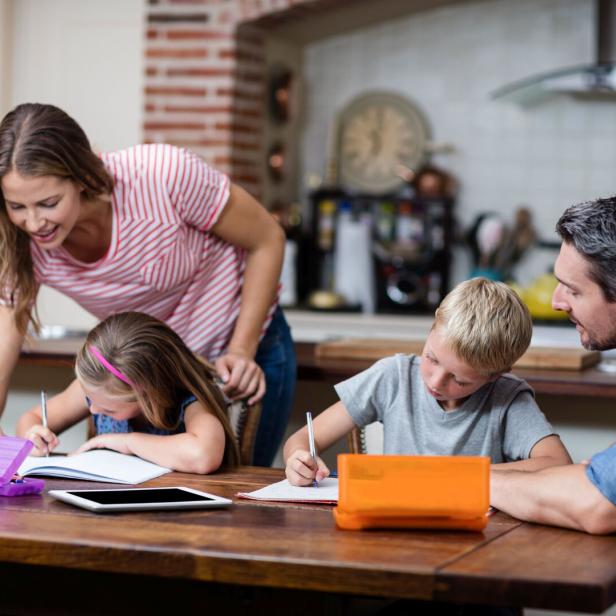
x,y
455,400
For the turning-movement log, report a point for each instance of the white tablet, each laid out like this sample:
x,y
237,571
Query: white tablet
x,y
140,499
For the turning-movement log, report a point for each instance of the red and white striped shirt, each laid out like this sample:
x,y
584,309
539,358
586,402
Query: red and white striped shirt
x,y
162,259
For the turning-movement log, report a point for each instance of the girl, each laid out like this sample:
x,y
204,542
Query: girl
x,y
149,394
151,228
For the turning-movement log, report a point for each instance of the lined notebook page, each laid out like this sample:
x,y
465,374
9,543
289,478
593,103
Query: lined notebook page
x,y
95,465
326,493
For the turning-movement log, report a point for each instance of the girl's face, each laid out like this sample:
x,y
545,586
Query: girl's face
x,y
115,407
446,377
45,207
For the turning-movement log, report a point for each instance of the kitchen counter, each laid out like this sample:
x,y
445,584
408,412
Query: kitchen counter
x,y
310,328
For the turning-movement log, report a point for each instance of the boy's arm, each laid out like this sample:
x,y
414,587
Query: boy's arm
x,y
561,496
330,426
549,451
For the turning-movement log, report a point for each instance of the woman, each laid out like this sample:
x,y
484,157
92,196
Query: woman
x,y
151,229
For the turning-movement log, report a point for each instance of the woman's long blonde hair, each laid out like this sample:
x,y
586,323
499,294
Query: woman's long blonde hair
x,y
38,140
163,370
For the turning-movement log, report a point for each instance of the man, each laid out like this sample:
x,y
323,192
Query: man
x,y
580,496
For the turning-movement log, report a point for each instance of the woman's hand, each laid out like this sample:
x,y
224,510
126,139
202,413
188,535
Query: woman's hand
x,y
43,438
301,471
242,377
116,441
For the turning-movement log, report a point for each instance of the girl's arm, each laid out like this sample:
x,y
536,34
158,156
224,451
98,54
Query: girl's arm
x,y
247,224
330,426
9,351
549,451
198,450
63,411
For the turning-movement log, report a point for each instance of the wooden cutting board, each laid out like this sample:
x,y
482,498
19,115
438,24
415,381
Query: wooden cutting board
x,y
374,348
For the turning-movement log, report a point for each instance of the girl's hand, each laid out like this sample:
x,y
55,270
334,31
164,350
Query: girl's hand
x,y
43,438
242,377
116,441
301,471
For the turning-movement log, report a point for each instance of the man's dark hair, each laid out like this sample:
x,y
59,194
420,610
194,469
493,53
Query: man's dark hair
x,y
591,228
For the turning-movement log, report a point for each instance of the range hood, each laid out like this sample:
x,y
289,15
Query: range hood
x,y
596,80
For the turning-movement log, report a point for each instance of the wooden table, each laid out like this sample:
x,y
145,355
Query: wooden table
x,y
589,382
265,557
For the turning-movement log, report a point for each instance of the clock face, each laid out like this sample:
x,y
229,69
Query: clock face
x,y
377,133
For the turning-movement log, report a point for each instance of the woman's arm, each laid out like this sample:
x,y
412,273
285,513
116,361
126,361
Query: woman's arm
x,y
549,451
198,450
63,411
9,351
330,426
247,224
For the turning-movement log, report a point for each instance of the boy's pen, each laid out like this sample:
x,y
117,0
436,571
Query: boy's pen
x,y
313,451
44,412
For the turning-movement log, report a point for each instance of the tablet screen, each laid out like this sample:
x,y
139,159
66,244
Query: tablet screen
x,y
137,496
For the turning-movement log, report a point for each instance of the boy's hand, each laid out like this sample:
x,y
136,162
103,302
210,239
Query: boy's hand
x,y
115,441
43,438
300,470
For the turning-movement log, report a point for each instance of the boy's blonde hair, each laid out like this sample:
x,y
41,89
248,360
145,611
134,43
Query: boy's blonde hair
x,y
486,324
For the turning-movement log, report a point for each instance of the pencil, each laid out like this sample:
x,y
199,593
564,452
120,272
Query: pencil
x,y
313,451
44,412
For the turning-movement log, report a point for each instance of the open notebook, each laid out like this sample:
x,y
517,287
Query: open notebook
x,y
283,491
96,465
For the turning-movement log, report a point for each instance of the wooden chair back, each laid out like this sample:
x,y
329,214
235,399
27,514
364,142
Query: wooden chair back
x,y
368,439
244,420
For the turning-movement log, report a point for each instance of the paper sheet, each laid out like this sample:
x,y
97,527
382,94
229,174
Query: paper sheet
x,y
94,465
326,493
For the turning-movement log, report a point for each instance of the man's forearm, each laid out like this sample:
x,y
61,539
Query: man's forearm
x,y
561,496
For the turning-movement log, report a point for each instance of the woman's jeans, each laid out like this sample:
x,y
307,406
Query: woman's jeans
x,y
276,357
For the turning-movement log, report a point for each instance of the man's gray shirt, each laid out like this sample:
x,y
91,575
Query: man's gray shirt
x,y
500,420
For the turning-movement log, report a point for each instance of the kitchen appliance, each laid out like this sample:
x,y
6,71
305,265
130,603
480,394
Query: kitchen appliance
x,y
408,238
596,80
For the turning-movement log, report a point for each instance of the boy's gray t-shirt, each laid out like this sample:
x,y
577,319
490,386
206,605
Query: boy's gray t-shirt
x,y
500,420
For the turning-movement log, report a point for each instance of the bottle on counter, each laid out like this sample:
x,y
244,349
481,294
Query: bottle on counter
x,y
290,218
327,223
409,226
385,221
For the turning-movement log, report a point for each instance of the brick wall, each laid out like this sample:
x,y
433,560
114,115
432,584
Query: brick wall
x,y
205,81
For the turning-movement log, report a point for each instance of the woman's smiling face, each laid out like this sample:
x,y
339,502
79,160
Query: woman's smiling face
x,y
45,207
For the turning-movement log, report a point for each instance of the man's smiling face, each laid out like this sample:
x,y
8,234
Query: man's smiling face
x,y
582,299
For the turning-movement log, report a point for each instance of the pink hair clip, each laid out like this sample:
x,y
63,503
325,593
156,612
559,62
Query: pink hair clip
x,y
110,367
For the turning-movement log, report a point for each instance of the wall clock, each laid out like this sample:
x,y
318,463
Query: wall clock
x,y
376,133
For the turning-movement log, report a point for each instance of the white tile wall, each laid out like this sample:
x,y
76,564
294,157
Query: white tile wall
x,y
448,60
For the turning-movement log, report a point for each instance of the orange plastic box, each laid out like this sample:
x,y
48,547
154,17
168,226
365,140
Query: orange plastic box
x,y
413,492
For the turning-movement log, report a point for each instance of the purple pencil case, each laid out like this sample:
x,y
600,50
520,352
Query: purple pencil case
x,y
13,452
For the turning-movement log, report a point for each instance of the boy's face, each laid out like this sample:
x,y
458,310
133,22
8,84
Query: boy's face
x,y
448,378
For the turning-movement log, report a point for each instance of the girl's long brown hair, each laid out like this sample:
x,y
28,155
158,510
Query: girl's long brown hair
x,y
162,368
38,140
